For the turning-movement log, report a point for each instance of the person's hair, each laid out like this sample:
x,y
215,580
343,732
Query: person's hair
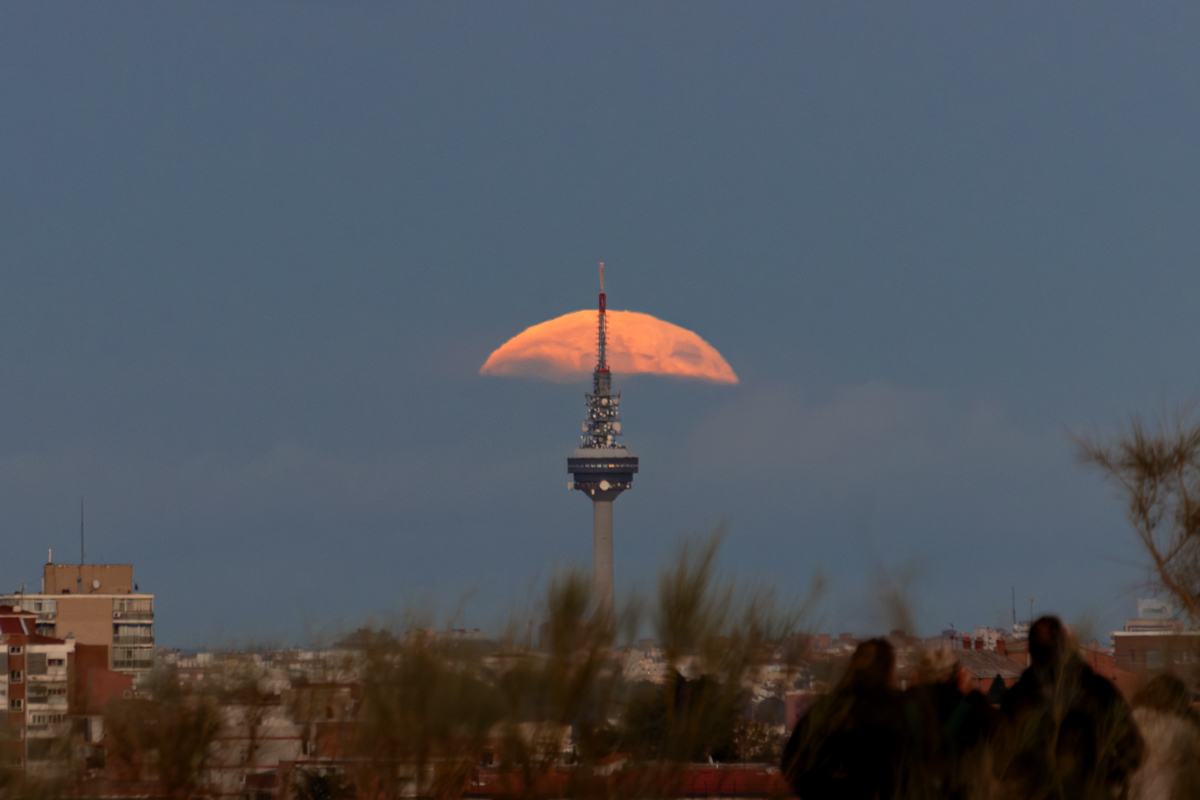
x,y
937,665
1165,693
1048,641
870,667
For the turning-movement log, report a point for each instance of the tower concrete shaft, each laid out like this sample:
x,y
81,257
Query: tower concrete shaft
x,y
602,555
601,467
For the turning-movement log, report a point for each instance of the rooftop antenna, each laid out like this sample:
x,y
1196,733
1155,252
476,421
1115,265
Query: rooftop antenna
x,y
82,553
1014,604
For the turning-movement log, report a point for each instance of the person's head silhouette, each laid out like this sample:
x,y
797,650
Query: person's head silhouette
x,y
1048,642
870,667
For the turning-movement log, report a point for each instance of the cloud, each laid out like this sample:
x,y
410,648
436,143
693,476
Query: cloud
x,y
859,435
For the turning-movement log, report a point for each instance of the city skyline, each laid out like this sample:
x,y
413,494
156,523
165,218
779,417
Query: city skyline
x,y
253,259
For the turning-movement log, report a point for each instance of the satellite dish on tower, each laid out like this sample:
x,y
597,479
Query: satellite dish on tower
x,y
96,583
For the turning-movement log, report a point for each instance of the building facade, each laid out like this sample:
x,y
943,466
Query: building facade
x,y
95,604
1155,642
34,690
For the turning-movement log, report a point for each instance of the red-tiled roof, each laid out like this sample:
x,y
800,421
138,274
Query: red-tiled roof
x,y
19,626
37,638
986,664
15,611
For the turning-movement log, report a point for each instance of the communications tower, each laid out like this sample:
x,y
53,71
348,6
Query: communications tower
x,y
602,469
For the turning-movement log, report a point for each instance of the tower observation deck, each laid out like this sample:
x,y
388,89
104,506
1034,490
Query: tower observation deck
x,y
601,468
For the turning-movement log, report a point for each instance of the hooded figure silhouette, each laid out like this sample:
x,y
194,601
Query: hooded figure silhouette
x,y
849,743
1067,733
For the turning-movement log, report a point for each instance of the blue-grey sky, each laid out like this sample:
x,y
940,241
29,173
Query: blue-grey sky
x,y
252,256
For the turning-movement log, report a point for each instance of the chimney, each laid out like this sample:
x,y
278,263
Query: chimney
x,y
966,641
1001,647
978,642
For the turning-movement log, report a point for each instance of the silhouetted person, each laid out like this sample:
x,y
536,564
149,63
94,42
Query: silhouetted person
x,y
1171,730
945,755
996,690
848,744
1068,733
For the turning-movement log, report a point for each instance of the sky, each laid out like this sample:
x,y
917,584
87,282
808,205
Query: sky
x,y
253,255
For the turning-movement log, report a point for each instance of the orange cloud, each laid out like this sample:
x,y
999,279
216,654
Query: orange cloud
x,y
564,348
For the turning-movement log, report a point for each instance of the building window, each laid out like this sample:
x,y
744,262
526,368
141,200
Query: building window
x,y
46,719
57,662
16,650
16,705
16,676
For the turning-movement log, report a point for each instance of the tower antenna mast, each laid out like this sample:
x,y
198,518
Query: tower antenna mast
x,y
602,332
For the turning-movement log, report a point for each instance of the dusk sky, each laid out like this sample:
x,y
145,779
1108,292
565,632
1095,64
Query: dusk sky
x,y
253,255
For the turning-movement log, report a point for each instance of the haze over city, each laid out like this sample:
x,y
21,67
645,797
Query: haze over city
x,y
253,258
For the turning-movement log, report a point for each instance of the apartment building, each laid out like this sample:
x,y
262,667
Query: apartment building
x,y
33,688
95,604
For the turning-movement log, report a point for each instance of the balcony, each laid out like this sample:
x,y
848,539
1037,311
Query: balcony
x,y
49,730
133,639
133,664
133,615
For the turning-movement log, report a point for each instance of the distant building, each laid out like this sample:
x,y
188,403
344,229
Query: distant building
x,y
984,666
254,739
980,638
33,687
1104,663
95,604
1155,642
991,637
1154,616
796,705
